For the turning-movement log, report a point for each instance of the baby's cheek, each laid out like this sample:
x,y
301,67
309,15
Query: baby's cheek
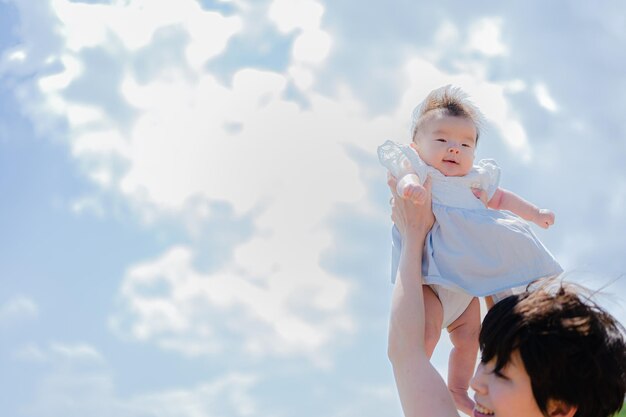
x,y
467,167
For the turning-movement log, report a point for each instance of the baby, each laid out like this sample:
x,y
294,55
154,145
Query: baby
x,y
479,244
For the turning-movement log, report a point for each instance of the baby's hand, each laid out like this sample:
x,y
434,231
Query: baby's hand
x,y
415,193
410,189
544,218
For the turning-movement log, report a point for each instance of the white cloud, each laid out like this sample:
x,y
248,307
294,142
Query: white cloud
x,y
134,23
617,201
226,396
446,34
285,165
16,55
485,37
289,15
80,351
302,77
18,308
78,382
369,400
166,300
312,45
544,98
31,353
273,163
52,85
57,352
81,393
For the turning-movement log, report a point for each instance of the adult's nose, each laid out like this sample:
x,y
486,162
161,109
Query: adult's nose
x,y
477,382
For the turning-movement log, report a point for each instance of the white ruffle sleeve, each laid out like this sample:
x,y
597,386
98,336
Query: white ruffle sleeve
x,y
489,176
401,160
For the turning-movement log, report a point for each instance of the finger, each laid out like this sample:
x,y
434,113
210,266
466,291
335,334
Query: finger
x,y
392,183
428,184
421,196
483,198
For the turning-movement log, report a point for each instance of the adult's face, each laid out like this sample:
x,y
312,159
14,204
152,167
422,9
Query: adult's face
x,y
507,393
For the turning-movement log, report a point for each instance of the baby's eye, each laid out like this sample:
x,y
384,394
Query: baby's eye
x,y
466,145
440,140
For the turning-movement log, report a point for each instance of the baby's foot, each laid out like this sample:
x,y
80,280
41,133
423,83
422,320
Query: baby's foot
x,y
462,400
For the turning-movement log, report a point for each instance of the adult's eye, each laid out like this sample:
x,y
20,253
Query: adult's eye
x,y
500,375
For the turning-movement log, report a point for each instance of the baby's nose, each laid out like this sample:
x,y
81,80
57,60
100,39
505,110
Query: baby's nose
x,y
453,149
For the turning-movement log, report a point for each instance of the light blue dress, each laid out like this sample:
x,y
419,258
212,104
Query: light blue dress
x,y
471,248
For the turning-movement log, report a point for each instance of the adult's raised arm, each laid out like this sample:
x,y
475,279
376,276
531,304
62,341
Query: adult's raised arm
x,y
422,390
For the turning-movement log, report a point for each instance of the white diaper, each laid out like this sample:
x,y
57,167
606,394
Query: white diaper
x,y
453,303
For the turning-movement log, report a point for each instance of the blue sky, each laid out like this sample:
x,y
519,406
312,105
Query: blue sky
x,y
194,222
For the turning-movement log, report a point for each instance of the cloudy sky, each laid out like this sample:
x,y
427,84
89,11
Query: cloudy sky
x,y
193,220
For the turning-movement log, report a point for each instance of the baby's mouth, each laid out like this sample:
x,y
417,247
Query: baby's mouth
x,y
450,161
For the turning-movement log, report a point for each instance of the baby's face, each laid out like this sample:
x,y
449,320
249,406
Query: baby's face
x,y
447,143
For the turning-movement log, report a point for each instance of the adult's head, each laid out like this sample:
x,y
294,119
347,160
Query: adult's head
x,y
550,351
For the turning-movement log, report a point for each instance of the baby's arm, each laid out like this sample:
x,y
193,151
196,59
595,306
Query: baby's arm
x,y
506,200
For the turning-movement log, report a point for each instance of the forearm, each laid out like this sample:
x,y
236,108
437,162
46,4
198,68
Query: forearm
x,y
507,200
421,389
406,326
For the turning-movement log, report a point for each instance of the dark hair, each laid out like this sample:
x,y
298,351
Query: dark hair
x,y
451,101
572,349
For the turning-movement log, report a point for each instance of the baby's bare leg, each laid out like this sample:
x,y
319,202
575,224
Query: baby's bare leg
x,y
464,336
433,313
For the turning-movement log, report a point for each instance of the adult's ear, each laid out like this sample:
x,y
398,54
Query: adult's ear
x,y
558,408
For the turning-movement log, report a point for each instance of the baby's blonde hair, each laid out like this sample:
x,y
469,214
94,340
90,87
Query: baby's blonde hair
x,y
451,101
